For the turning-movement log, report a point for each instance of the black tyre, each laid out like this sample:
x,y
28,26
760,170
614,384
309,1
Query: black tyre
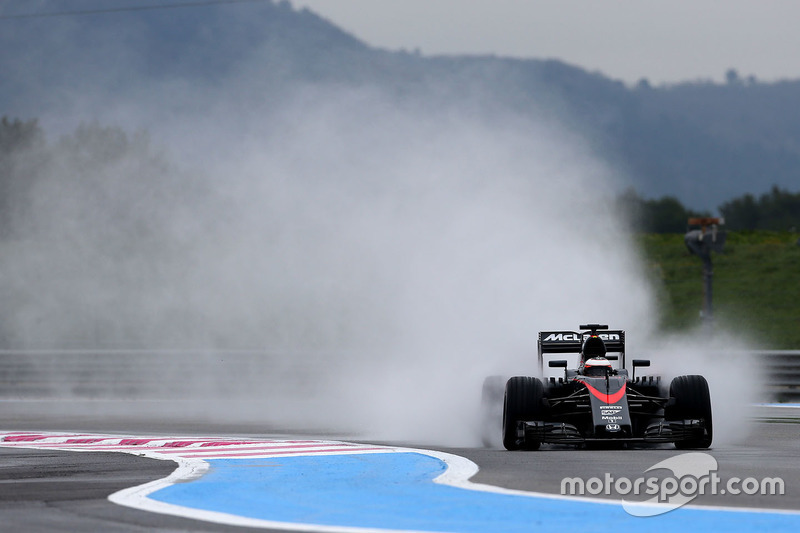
x,y
492,411
523,401
692,401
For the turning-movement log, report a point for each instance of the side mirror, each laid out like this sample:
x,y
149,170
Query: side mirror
x,y
637,363
559,363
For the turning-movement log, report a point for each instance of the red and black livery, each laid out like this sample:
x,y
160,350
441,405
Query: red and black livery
x,y
599,402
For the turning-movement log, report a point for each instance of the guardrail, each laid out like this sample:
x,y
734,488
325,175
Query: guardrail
x,y
168,374
195,373
782,369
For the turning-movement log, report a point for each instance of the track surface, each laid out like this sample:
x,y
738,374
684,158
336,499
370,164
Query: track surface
x,y
67,491
60,491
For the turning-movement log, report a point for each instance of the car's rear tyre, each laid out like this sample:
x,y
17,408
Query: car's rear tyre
x,y
523,401
692,400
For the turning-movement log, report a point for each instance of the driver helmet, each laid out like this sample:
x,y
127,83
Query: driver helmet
x,y
593,346
597,366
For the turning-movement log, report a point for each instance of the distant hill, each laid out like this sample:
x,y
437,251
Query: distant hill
x,y
702,142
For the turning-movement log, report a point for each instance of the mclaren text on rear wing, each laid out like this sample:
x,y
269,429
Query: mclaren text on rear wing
x,y
572,341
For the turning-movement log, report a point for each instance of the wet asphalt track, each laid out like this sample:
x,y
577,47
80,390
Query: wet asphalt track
x,y
67,491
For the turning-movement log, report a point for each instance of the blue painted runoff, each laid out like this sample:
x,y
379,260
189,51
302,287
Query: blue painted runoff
x,y
396,491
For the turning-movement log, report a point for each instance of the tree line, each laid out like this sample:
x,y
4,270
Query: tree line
x,y
775,210
83,161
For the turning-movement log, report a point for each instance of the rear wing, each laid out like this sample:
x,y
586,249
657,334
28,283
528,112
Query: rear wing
x,y
572,342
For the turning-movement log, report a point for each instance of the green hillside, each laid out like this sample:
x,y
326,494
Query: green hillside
x,y
756,284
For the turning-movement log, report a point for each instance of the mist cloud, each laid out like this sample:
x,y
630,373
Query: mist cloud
x,y
395,248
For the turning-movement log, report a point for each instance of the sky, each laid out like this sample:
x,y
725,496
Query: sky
x,y
663,41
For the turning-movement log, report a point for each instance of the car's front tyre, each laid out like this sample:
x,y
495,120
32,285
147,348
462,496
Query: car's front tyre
x,y
691,400
523,402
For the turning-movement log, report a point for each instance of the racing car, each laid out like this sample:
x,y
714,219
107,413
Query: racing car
x,y
598,403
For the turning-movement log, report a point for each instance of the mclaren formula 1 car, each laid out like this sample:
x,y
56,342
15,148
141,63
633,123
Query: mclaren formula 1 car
x,y
600,402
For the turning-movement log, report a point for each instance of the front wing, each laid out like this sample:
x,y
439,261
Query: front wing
x,y
564,433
